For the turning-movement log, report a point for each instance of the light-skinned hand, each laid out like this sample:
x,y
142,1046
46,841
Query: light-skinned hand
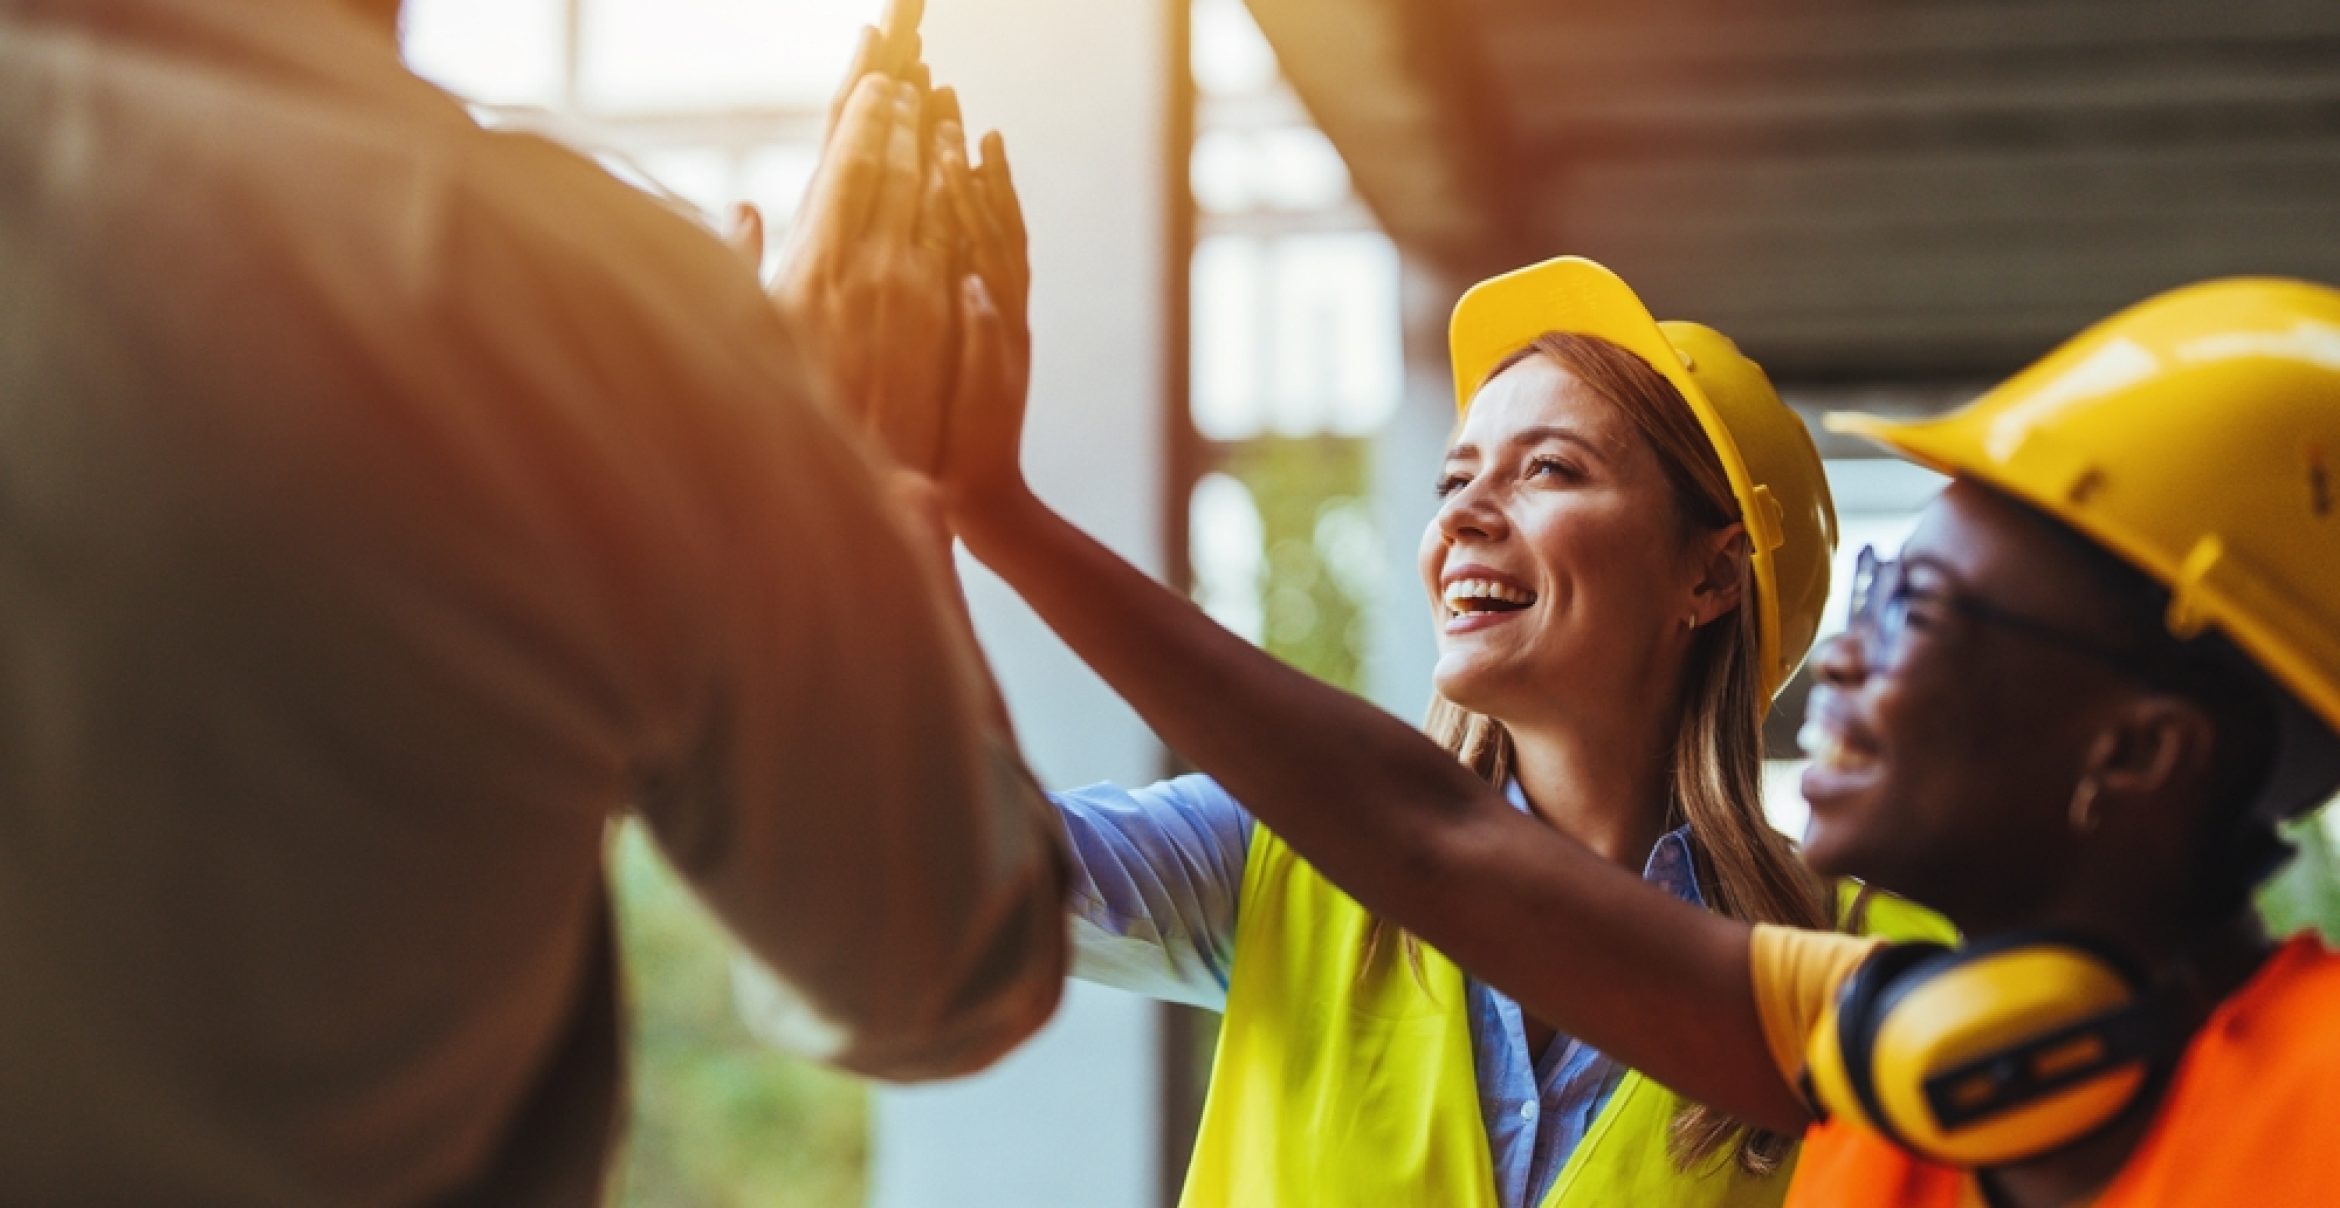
x,y
869,264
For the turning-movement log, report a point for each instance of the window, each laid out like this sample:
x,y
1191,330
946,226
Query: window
x,y
1297,361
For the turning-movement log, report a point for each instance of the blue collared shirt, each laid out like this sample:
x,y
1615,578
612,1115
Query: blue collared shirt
x,y
1157,874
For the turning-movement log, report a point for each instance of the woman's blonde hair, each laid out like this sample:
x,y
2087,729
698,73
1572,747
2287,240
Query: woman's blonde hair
x,y
1747,870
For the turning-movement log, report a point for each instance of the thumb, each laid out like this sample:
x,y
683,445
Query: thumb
x,y
746,237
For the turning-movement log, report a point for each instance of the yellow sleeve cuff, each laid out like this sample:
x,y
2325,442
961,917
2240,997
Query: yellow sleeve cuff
x,y
1796,974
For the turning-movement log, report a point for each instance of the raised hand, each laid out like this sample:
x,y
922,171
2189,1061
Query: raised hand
x,y
889,48
998,250
916,240
868,268
874,272
981,465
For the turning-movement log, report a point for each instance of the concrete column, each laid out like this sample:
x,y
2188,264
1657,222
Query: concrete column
x,y
1081,90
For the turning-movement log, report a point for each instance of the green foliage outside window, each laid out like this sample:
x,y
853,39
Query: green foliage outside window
x,y
718,1120
2307,893
1321,551
1322,563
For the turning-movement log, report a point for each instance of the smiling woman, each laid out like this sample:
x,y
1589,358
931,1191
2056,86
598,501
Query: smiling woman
x,y
1594,577
1634,539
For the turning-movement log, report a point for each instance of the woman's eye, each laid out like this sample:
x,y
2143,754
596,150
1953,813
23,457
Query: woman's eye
x,y
1450,483
1553,466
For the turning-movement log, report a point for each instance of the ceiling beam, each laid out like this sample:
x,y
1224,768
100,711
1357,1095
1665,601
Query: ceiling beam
x,y
1398,87
1801,34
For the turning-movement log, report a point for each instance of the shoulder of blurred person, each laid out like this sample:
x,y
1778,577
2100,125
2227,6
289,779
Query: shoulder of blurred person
x,y
253,171
338,318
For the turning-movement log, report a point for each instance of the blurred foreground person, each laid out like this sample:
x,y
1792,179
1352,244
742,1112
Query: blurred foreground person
x,y
386,506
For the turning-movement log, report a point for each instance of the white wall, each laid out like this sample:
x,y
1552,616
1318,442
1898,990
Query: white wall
x,y
1072,1120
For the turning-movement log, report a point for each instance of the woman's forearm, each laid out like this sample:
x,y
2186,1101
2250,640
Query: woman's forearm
x,y
1404,827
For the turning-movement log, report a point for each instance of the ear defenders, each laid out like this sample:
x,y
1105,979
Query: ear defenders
x,y
1992,1053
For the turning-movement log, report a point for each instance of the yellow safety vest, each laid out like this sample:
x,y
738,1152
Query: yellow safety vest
x,y
1345,1085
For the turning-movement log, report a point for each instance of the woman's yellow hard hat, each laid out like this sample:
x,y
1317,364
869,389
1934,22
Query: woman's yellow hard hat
x,y
2196,435
1774,469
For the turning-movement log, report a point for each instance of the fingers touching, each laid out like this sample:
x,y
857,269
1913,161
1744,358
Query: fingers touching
x,y
900,25
908,264
941,231
1000,201
891,48
852,174
865,57
943,109
896,210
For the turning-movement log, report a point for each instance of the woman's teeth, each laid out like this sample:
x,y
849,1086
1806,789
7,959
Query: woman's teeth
x,y
1485,595
1829,749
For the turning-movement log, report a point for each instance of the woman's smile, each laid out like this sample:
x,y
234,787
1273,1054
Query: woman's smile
x,y
1478,597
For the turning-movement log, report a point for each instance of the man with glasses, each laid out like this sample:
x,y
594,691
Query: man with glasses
x,y
1883,591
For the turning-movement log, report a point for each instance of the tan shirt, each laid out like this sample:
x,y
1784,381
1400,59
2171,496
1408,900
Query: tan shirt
x,y
385,505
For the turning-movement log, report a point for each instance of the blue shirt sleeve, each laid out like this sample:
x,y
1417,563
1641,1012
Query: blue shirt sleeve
x,y
1156,874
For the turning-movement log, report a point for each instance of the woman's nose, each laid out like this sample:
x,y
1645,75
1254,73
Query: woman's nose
x,y
1468,514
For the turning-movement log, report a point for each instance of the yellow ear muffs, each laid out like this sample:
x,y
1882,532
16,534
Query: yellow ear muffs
x,y
1993,1053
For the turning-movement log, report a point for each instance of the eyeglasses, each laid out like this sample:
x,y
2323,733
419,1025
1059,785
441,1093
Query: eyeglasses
x,y
1880,614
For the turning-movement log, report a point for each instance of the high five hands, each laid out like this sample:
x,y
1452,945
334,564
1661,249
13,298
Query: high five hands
x,y
907,272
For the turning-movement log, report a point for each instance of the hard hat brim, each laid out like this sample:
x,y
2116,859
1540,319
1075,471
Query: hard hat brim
x,y
1956,445
1913,441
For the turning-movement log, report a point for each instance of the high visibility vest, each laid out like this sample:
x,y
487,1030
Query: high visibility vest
x,y
1340,1083
2247,1121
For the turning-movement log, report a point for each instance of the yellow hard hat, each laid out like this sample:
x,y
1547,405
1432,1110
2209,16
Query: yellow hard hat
x,y
1773,468
2197,436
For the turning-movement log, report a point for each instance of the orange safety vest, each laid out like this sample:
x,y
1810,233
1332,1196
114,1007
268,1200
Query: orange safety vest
x,y
2248,1119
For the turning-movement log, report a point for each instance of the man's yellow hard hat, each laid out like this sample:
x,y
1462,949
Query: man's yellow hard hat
x,y
1773,467
2197,436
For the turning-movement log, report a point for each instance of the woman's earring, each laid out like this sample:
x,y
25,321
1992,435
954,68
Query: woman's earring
x,y
2082,813
1690,621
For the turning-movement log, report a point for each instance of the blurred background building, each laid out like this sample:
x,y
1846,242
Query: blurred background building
x,y
1249,222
